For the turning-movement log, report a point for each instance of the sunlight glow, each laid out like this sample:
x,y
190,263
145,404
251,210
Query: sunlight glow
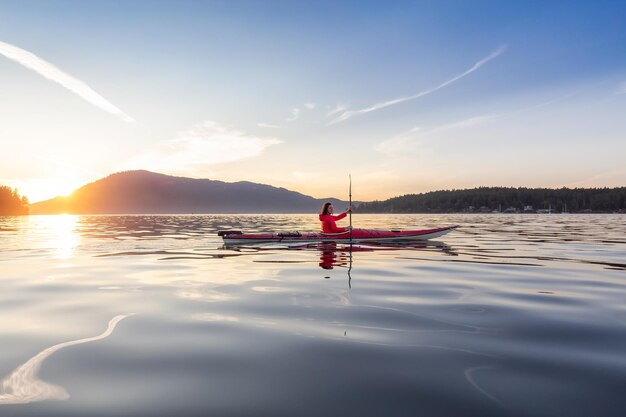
x,y
63,236
40,189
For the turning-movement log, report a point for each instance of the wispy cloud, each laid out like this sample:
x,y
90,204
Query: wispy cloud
x,y
295,114
405,142
612,177
337,109
394,146
539,105
49,71
350,113
469,122
269,126
621,89
191,151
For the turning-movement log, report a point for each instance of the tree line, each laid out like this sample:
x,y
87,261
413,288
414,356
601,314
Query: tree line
x,y
11,203
487,199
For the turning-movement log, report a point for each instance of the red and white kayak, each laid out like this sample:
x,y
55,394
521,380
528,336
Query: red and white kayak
x,y
358,235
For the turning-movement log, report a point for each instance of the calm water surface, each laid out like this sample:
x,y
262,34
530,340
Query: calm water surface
x,y
520,315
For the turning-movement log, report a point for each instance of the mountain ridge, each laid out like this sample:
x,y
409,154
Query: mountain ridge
x,y
146,192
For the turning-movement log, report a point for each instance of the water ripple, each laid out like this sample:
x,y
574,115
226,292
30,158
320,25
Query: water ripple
x,y
507,315
23,385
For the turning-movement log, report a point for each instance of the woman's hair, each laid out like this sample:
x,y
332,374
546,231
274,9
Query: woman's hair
x,y
325,208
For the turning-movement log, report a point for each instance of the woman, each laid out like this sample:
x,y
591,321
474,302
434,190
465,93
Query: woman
x,y
328,220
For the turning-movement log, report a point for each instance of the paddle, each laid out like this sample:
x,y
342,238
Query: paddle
x,y
350,266
350,206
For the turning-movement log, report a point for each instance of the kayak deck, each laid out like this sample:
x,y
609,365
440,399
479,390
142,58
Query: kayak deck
x,y
358,235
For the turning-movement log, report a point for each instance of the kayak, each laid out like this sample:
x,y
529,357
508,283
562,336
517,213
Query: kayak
x,y
358,235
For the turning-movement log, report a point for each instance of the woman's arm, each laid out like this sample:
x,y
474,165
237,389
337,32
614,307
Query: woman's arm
x,y
340,216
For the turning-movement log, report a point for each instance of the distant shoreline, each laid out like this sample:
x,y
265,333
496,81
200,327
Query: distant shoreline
x,y
311,214
510,200
149,192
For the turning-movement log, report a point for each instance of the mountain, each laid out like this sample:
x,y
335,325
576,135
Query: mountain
x,y
134,192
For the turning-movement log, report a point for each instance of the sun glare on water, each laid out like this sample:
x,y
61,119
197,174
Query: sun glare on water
x,y
63,236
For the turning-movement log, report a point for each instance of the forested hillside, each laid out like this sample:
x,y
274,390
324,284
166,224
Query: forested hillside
x,y
488,199
11,203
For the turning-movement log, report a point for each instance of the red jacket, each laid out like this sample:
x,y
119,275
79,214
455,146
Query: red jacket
x,y
328,223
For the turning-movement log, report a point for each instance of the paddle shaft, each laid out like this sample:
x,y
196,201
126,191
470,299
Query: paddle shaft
x,y
350,206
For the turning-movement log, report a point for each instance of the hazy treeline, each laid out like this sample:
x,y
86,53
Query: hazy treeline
x,y
11,204
501,198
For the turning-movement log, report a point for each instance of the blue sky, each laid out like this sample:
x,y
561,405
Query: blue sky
x,y
405,96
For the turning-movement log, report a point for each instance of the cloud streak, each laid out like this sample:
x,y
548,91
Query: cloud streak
x,y
337,109
191,151
49,71
268,125
404,143
295,114
351,113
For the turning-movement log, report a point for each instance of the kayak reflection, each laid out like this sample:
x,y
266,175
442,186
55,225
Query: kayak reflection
x,y
333,254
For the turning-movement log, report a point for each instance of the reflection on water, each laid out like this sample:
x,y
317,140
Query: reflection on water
x,y
332,254
23,385
63,236
507,315
331,257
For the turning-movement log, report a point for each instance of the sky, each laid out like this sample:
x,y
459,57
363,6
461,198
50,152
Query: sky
x,y
404,96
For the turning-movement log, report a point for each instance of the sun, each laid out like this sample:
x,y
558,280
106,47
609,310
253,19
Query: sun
x,y
44,189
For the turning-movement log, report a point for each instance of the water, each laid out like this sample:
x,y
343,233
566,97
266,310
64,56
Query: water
x,y
520,315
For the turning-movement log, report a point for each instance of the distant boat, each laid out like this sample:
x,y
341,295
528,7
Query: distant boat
x,y
545,211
